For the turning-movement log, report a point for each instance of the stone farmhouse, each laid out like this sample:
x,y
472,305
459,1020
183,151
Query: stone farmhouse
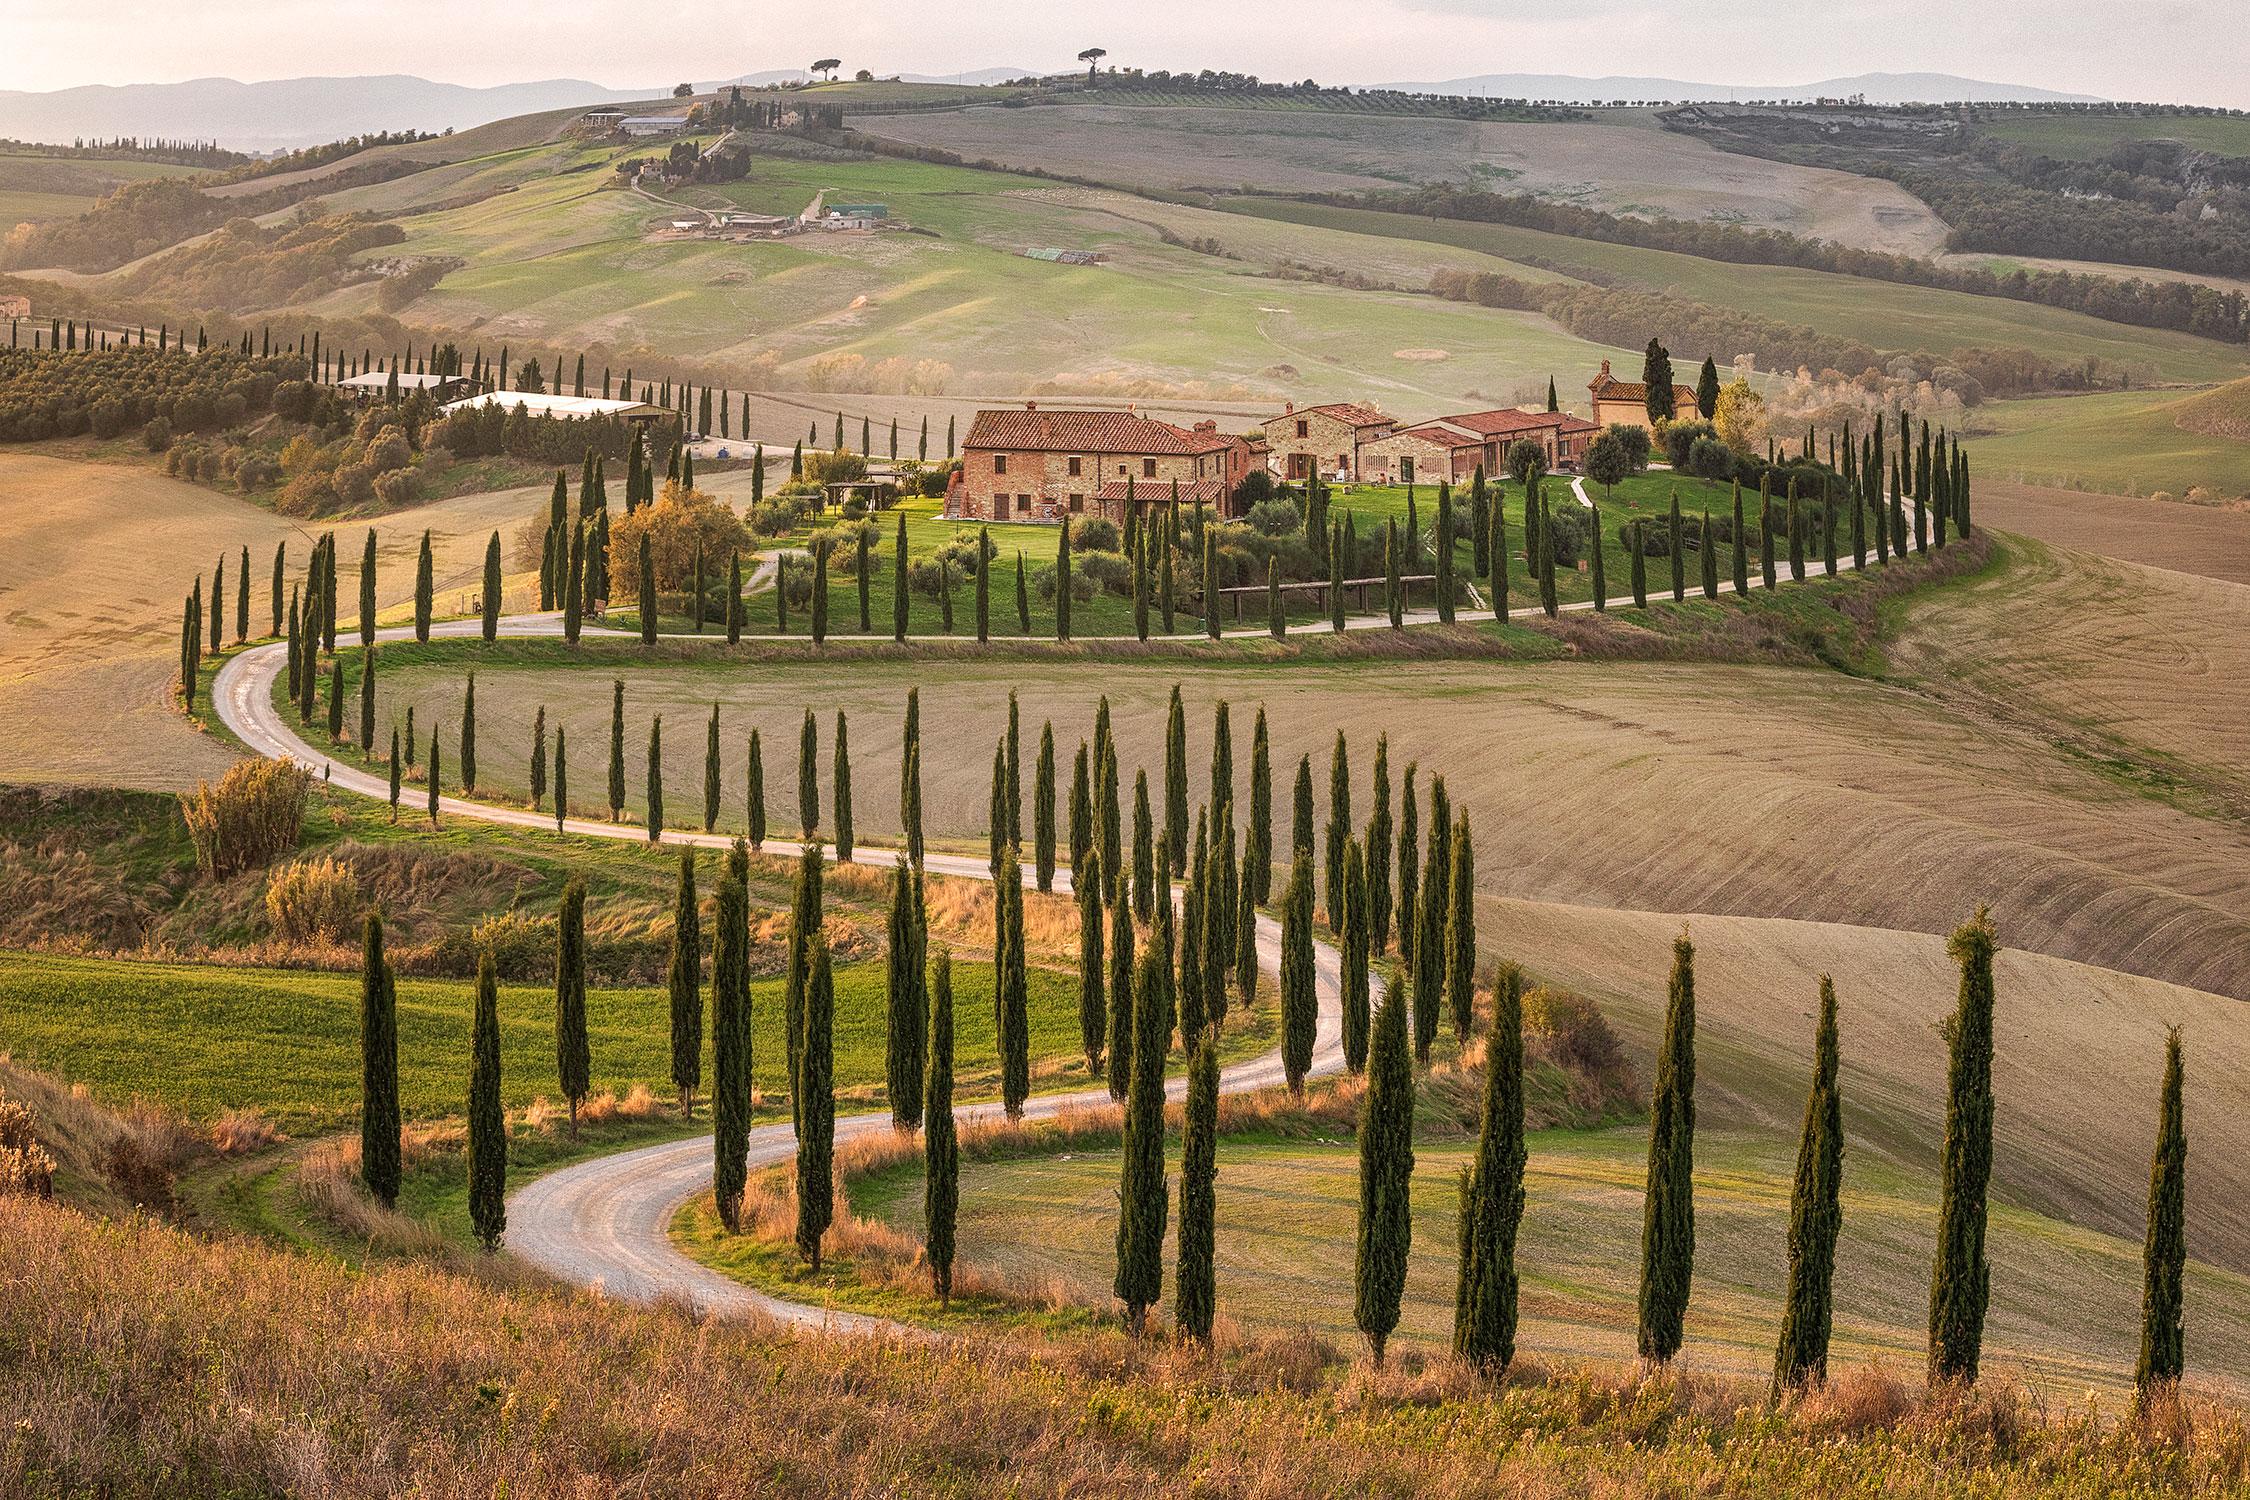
x,y
1327,440
1046,466
1626,401
1454,448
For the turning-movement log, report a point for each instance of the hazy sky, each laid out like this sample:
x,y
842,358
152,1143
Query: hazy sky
x,y
2188,50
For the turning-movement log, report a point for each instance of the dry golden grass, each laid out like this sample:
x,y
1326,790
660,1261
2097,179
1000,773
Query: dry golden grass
x,y
311,1380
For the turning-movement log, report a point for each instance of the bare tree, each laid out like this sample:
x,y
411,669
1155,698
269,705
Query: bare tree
x,y
1090,57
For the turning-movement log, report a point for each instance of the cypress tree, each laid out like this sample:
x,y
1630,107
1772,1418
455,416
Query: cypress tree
x,y
1012,799
1012,1000
805,926
941,1154
1678,545
820,593
730,1047
1386,1171
808,776
436,790
488,1122
996,812
562,780
1144,853
1409,857
335,699
1600,578
1339,831
422,591
395,766
755,793
900,596
1189,985
1807,1307
816,1117
1139,553
842,775
1639,569
711,771
1245,937
656,778
1484,1329
1112,829
1093,1013
1433,905
280,549
1222,765
1668,1223
733,612
2164,1258
1211,584
1166,595
1257,843
1299,1004
616,749
1461,930
378,1061
1740,553
574,594
367,701
1221,902
491,600
1043,809
1175,785
367,590
1444,541
683,979
1766,573
1355,957
1796,523
1496,554
1548,599
1196,1294
1142,1201
1062,583
1081,816
573,1059
1394,601
1378,852
1961,1282
1300,811
905,1025
984,584
1121,990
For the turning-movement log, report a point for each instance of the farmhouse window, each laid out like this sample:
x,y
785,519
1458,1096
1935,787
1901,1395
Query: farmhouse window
x,y
999,463
1148,468
1074,466
1406,470
1077,504
1304,428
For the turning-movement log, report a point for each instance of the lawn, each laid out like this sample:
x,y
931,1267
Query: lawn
x,y
2065,1300
2083,136
2124,442
201,1039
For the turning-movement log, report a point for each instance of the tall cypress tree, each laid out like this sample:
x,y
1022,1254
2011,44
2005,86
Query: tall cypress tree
x,y
1299,1003
562,775
422,591
905,1026
1808,1305
900,595
1433,905
1461,929
941,1152
469,735
1012,767
616,749
378,1061
2164,1257
367,701
1741,554
1386,1171
805,924
1145,858
730,1046
1175,786
1356,957
1409,856
841,776
1668,1223
1062,583
280,568
1043,809
1119,1052
1484,1327
573,1057
984,584
755,793
1378,851
1142,1201
816,1116
1961,1282
435,780
1197,1293
367,590
1011,1001
1300,811
1093,1007
655,794
1339,832
808,776
711,771
335,698
1081,829
683,979
491,599
488,1122
1257,842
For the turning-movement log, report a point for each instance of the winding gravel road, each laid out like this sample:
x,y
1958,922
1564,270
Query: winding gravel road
x,y
604,1223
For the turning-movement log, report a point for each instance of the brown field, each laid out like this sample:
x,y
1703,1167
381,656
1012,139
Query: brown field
x,y
2209,540
1624,168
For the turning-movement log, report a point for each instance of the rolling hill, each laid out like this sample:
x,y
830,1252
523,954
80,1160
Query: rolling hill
x,y
1876,88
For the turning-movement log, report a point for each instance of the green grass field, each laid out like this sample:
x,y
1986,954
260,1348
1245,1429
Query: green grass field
x,y
2125,442
2085,136
1884,315
2065,1300
201,1039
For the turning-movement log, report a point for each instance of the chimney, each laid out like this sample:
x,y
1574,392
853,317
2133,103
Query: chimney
x,y
1605,369
1288,408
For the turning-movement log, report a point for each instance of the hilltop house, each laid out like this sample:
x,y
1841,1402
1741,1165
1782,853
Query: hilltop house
x,y
373,385
1327,439
1033,465
1627,400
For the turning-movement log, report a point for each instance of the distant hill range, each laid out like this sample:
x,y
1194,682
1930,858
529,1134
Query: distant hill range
x,y
285,112
288,112
1876,88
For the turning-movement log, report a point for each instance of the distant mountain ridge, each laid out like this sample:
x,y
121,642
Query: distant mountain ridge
x,y
1878,88
285,112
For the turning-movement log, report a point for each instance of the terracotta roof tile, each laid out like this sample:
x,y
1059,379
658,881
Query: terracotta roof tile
x,y
1159,491
1021,431
1352,413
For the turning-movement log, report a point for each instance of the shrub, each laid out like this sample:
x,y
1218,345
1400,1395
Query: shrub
x,y
1708,458
834,468
255,472
1636,441
1278,517
1679,440
1570,526
250,818
674,523
157,435
1082,588
1571,1030
26,1170
1103,570
313,900
399,487
1095,534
